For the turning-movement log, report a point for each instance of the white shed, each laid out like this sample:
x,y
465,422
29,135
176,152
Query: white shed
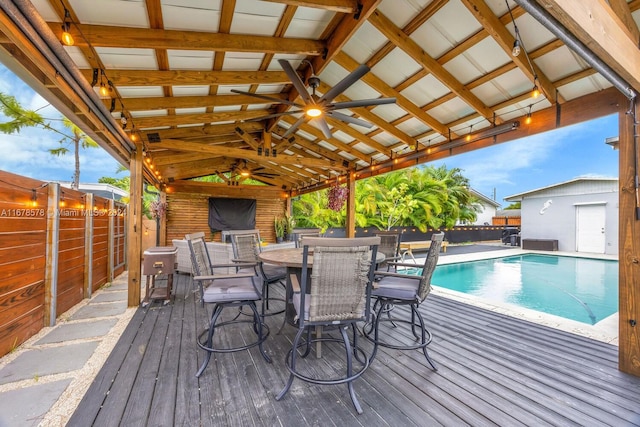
x,y
489,208
580,214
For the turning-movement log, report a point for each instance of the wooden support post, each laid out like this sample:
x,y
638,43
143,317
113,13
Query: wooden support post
x,y
134,227
350,220
111,241
88,244
51,262
629,246
163,221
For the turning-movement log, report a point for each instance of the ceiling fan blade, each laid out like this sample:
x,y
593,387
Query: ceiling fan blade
x,y
295,126
268,98
272,116
361,103
297,82
324,127
349,119
343,84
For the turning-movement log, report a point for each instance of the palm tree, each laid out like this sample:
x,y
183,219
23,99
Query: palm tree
x,y
78,139
21,118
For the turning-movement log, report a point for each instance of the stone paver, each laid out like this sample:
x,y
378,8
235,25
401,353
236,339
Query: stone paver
x,y
100,310
110,297
27,406
76,331
37,362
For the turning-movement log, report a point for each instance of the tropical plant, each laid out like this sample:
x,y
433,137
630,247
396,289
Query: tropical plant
x,y
22,117
424,197
77,140
280,224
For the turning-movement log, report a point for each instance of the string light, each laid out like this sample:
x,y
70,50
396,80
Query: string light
x,y
34,198
67,38
518,45
528,120
468,137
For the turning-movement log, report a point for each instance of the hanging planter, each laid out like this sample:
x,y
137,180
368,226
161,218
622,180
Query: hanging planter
x,y
337,196
158,209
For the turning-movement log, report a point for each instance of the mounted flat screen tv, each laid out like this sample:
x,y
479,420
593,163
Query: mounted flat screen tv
x,y
231,214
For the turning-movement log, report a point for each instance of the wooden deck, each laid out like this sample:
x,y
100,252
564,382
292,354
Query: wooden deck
x,y
493,370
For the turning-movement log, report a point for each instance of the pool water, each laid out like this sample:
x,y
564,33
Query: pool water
x,y
581,289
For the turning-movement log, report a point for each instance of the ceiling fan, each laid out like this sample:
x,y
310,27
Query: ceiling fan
x,y
318,107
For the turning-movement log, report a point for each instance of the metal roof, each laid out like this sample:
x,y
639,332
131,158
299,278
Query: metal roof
x,y
519,196
171,66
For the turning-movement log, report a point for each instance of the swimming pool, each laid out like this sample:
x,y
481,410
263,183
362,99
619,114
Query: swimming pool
x,y
581,289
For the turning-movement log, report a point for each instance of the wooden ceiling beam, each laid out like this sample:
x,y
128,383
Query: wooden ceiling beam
x,y
347,27
340,6
358,136
189,78
287,144
239,153
167,102
204,131
623,12
188,119
503,37
598,27
149,38
411,48
378,84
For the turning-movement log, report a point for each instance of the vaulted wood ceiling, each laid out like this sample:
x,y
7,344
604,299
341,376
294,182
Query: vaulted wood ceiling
x,y
171,66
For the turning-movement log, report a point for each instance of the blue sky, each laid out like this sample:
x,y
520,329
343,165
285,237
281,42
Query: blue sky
x,y
509,168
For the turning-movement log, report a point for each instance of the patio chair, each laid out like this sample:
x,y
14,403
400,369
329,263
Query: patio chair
x,y
307,232
224,290
335,294
394,289
246,248
390,247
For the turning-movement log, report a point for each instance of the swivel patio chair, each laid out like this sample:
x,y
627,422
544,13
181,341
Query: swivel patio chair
x,y
305,232
390,247
335,294
224,290
246,248
393,289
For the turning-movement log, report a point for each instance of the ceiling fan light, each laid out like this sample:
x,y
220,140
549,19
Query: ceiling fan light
x,y
244,172
313,112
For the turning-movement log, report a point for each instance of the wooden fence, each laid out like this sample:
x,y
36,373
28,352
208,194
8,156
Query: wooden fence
x,y
57,246
507,220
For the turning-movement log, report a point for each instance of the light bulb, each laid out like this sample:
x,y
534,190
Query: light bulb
x,y
104,92
516,48
536,92
67,38
313,112
528,119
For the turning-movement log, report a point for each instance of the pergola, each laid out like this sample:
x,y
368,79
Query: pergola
x,y
169,69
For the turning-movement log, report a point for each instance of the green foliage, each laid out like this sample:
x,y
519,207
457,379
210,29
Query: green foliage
x,y
512,206
425,197
20,117
280,224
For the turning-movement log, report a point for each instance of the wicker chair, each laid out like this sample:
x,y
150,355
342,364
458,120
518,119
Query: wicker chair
x,y
390,247
305,232
337,294
395,289
246,248
224,290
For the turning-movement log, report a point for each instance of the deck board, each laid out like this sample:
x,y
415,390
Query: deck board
x,y
493,370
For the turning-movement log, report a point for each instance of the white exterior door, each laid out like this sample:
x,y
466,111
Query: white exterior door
x,y
590,232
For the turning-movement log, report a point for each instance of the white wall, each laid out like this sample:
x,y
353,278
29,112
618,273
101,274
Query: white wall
x,y
558,219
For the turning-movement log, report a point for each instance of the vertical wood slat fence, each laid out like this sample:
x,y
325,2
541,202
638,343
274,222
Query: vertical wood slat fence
x,y
57,246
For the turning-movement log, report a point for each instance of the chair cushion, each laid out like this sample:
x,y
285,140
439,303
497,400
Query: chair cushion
x,y
307,304
225,290
273,271
397,288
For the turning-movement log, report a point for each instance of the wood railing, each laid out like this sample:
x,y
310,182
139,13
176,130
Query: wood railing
x,y
57,246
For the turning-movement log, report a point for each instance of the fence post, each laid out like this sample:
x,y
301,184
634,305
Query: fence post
x,y
88,244
111,235
51,260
